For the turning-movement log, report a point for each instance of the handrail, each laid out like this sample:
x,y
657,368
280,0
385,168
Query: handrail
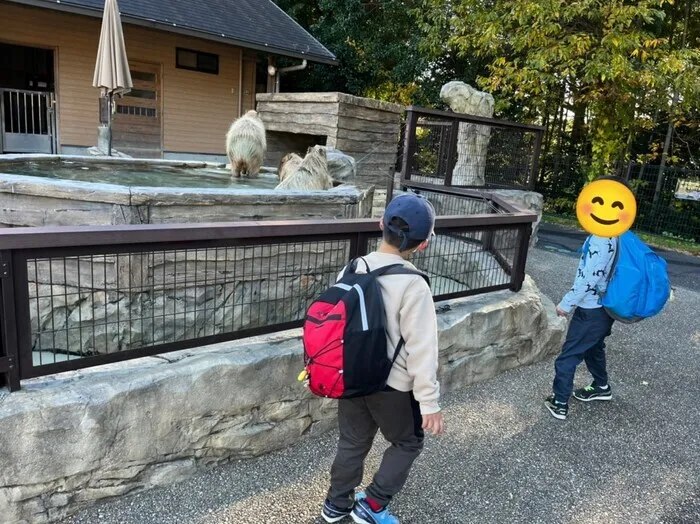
x,y
495,122
24,91
78,236
156,265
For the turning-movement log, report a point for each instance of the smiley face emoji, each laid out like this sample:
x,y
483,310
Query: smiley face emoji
x,y
606,208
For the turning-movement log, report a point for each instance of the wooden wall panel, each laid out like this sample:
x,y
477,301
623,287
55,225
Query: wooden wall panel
x,y
197,107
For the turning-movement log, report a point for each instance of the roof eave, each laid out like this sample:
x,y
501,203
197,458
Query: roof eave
x,y
171,28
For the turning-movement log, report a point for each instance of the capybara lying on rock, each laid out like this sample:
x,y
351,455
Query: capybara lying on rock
x,y
312,173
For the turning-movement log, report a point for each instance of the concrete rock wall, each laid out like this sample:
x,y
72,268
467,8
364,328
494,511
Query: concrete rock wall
x,y
364,128
109,303
72,439
27,201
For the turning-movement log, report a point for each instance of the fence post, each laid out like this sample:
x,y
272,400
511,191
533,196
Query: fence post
x,y
487,240
2,120
518,276
358,245
9,353
535,166
390,187
409,148
53,128
452,152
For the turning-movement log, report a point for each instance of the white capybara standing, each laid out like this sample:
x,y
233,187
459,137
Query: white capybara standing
x,y
246,145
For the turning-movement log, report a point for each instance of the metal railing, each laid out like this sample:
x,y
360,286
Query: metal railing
x,y
454,149
27,121
667,203
76,297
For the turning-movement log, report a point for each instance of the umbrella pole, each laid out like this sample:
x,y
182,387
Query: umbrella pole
x,y
109,124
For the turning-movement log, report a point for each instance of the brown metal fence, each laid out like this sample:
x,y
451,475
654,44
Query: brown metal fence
x,y
454,149
76,297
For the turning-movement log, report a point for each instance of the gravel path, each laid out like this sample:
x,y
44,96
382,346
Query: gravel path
x,y
504,459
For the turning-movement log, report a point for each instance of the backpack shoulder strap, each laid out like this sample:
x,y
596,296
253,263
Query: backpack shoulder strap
x,y
586,247
400,269
351,268
398,350
616,256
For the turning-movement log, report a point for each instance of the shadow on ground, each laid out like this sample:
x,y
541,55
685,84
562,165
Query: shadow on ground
x,y
504,459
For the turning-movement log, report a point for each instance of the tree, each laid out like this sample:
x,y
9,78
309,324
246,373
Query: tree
x,y
604,67
375,41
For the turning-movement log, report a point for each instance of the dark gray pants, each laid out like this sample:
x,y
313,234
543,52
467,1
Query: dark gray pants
x,y
397,415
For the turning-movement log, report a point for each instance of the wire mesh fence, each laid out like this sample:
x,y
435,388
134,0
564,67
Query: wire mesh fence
x,y
460,150
117,295
668,203
667,206
101,304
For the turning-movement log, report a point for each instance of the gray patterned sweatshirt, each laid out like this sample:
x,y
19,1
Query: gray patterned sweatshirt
x,y
591,276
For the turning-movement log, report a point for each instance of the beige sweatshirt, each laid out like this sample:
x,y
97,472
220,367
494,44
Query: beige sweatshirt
x,y
410,312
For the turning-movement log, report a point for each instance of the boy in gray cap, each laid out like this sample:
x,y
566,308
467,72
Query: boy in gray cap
x,y
409,403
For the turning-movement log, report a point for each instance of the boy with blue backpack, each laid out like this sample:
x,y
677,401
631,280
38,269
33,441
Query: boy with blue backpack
x,y
371,342
589,327
618,278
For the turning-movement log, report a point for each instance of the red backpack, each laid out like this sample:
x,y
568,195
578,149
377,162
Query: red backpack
x,y
345,343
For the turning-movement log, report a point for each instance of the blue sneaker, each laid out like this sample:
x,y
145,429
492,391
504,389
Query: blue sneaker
x,y
363,514
332,513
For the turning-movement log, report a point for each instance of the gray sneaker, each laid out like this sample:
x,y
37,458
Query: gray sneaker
x,y
557,409
593,392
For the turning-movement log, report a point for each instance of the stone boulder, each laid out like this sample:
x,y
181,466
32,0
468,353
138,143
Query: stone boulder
x,y
485,335
72,439
473,139
341,167
463,98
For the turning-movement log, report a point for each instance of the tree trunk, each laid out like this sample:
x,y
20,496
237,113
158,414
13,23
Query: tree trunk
x,y
669,129
577,132
664,155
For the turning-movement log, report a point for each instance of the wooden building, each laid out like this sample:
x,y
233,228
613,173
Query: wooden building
x,y
195,68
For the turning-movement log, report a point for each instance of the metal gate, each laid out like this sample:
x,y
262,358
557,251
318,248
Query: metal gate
x,y
27,121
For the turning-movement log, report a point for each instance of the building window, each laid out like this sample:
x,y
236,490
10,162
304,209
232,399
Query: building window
x,y
148,112
197,61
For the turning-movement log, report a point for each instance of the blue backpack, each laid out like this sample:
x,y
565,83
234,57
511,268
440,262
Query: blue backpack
x,y
638,283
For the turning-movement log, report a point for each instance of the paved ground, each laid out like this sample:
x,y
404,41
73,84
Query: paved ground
x,y
504,459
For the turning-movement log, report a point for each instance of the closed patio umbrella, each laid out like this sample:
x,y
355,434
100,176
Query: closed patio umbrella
x,y
112,75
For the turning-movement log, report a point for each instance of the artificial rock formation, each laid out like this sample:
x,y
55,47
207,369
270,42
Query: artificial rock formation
x,y
70,440
473,139
362,127
341,167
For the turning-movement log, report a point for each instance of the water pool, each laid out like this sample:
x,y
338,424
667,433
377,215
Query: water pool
x,y
51,190
152,174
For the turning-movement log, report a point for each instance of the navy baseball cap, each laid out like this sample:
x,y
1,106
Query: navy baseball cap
x,y
416,211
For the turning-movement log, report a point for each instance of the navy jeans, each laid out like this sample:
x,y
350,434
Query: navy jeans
x,y
585,340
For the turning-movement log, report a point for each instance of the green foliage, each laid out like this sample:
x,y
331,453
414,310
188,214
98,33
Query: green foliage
x,y
375,41
381,49
615,62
